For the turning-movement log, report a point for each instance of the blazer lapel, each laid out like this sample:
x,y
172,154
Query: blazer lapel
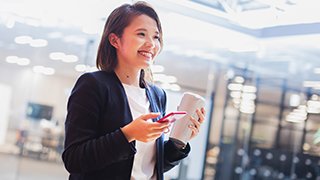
x,y
153,102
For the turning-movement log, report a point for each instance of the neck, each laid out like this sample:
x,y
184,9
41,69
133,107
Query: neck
x,y
130,76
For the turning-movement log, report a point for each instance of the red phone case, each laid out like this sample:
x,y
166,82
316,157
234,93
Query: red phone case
x,y
172,115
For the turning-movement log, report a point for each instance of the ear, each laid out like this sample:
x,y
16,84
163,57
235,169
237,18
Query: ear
x,y
113,39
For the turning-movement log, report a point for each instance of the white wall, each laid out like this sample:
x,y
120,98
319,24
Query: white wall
x,y
5,98
28,86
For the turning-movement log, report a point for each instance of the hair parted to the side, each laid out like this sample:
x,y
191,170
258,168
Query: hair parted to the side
x,y
117,21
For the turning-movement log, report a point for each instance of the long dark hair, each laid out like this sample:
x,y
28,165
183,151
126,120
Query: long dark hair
x,y
117,21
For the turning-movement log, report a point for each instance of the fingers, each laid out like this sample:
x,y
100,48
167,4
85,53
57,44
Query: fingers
x,y
195,126
157,127
194,129
201,114
150,137
149,134
195,123
149,116
161,127
154,135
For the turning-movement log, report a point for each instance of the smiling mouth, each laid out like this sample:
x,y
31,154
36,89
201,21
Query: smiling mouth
x,y
146,54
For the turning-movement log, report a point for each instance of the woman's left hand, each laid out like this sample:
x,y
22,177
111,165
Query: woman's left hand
x,y
195,127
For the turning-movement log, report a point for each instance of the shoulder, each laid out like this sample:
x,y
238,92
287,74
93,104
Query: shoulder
x,y
100,82
93,85
97,75
97,78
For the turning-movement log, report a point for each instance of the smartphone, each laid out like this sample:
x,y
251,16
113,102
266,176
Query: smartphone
x,y
173,116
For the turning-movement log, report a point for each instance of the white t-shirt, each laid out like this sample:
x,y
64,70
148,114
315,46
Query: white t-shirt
x,y
145,158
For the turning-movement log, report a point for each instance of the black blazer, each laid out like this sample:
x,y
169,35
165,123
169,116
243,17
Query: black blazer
x,y
95,147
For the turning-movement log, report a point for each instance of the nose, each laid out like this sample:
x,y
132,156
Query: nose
x,y
150,42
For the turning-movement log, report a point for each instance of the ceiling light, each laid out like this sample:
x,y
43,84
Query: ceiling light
x,y
247,109
80,67
56,55
251,89
85,68
70,58
235,87
249,96
12,59
32,42
23,61
39,43
17,60
63,57
92,69
37,69
48,71
43,70
239,79
23,39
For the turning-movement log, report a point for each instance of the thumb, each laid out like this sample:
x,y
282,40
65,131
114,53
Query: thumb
x,y
149,116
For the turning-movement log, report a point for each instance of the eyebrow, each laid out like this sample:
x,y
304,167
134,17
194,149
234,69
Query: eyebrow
x,y
143,29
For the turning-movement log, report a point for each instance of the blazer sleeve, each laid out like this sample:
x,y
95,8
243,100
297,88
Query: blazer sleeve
x,y
86,150
173,155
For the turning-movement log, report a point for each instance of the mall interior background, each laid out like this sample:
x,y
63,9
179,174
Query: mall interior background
x,y
255,61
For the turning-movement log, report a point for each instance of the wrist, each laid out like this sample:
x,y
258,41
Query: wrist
x,y
127,133
179,144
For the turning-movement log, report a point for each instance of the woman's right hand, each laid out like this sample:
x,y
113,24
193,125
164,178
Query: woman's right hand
x,y
143,130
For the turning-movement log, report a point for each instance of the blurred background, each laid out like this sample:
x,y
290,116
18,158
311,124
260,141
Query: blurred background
x,y
256,62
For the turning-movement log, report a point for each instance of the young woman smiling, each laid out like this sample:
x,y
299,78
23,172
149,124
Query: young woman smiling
x,y
111,126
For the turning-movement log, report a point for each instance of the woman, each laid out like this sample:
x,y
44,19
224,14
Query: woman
x,y
111,128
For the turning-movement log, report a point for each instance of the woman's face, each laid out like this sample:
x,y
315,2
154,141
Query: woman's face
x,y
139,43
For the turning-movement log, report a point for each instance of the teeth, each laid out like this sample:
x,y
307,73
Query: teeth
x,y
146,54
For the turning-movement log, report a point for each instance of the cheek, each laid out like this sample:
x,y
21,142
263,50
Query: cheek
x,y
157,48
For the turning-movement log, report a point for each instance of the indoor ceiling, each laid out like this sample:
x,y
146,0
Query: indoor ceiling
x,y
265,36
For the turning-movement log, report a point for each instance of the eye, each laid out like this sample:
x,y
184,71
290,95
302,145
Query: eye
x,y
141,34
157,37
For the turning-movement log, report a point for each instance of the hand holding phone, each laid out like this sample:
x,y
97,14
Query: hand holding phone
x,y
173,116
